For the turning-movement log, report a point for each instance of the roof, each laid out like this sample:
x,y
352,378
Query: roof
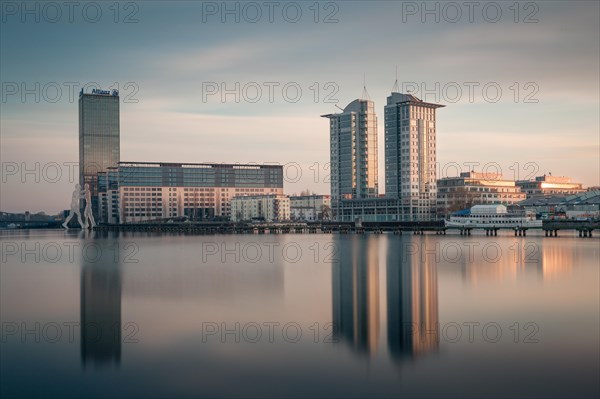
x,y
399,98
488,209
463,212
585,198
198,165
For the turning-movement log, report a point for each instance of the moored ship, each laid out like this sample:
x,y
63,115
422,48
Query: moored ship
x,y
492,216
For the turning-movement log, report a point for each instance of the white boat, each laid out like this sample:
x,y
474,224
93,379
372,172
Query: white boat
x,y
491,216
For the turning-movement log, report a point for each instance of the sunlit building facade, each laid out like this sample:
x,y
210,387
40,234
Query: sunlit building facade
x,y
548,184
410,155
473,188
353,152
161,191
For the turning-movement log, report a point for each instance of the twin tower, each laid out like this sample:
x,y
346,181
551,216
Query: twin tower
x,y
410,160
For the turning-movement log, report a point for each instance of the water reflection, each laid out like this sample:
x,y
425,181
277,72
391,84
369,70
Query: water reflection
x,y
355,294
510,260
412,301
387,296
556,261
411,291
100,298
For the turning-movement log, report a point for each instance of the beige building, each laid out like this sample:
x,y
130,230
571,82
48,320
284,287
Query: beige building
x,y
139,192
548,184
410,155
473,188
268,208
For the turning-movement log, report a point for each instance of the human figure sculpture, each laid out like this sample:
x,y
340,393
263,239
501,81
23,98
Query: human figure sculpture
x,y
74,207
88,216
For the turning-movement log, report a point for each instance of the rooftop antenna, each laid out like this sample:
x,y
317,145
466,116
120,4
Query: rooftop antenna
x,y
365,93
340,108
396,88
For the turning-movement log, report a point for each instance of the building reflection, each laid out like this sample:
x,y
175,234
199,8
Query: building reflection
x,y
100,299
510,260
412,298
555,260
355,293
411,294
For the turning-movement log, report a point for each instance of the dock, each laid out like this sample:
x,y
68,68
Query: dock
x,y
550,228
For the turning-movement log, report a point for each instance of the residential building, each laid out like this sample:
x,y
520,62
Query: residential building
x,y
310,207
353,152
410,162
410,155
266,208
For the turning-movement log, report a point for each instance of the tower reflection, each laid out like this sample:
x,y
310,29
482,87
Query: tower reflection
x,y
356,293
412,298
100,299
411,293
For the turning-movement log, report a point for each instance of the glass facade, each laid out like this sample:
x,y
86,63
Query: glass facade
x,y
99,136
200,175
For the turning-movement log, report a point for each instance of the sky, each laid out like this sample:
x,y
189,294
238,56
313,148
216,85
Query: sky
x,y
247,82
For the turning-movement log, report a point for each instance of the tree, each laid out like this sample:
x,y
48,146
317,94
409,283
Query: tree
x,y
325,212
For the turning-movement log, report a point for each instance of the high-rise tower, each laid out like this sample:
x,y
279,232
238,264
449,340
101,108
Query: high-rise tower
x,y
99,137
410,155
353,152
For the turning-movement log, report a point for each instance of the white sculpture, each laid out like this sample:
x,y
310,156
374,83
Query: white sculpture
x,y
74,207
87,212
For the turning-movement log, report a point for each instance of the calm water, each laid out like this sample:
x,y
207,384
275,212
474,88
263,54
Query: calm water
x,y
130,315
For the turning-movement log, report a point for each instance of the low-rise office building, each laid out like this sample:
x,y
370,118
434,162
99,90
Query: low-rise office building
x,y
548,184
373,210
473,188
267,208
383,209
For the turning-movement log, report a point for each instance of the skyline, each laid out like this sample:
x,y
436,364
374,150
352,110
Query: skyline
x,y
175,120
310,198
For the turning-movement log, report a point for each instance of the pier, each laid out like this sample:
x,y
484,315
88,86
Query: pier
x,y
550,228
